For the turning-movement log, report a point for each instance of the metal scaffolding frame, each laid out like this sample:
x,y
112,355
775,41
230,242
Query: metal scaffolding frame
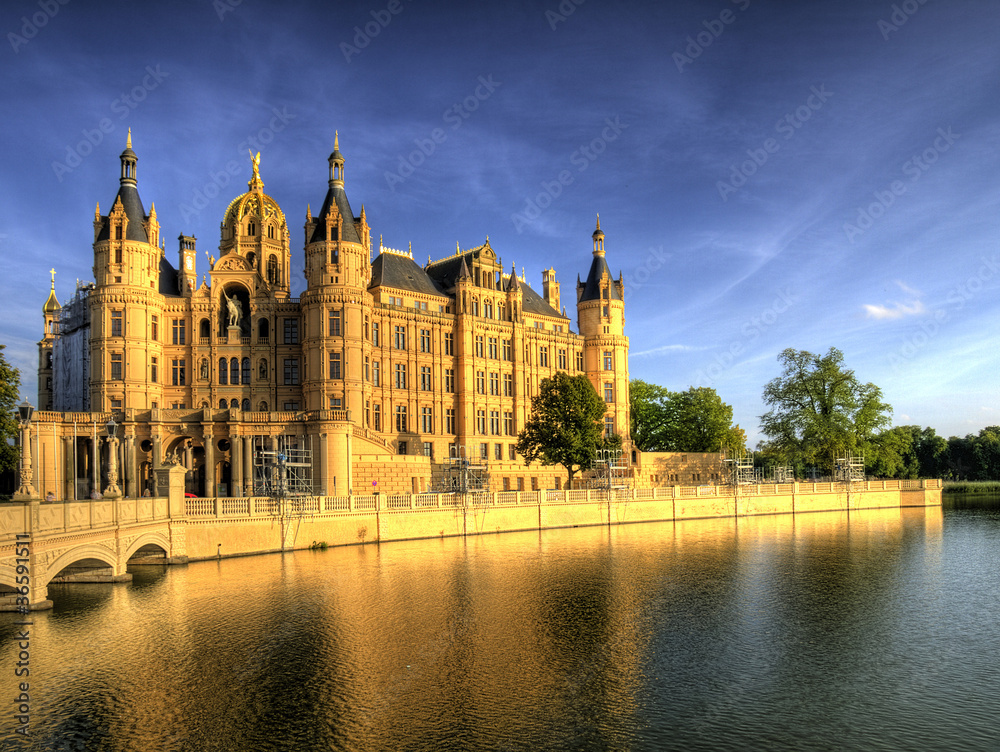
x,y
282,467
612,472
465,471
739,469
849,468
782,474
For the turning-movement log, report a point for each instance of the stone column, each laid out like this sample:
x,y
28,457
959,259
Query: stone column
x,y
320,464
95,463
236,466
210,490
69,477
247,465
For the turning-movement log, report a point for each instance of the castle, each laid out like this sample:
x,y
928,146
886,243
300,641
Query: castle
x,y
382,369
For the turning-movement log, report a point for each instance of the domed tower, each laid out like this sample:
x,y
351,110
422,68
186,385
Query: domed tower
x,y
126,305
336,306
50,315
601,318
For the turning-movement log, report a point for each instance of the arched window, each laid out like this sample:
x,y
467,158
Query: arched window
x,y
263,331
204,329
234,371
272,269
222,404
270,231
234,404
252,228
262,407
245,368
246,405
223,371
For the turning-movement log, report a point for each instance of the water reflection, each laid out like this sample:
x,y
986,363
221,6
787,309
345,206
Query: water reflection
x,y
872,630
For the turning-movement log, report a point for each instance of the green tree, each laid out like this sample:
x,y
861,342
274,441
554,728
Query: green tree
x,y
10,385
893,453
819,409
565,424
693,421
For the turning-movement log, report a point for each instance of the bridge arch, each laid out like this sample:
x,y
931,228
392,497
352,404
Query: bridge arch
x,y
80,553
155,539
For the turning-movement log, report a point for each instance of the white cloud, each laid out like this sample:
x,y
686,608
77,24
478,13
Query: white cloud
x,y
895,311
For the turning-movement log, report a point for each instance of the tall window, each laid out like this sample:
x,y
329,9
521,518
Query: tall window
x,y
154,328
543,357
272,269
609,425
177,372
377,417
234,371
481,421
335,366
508,424
449,343
291,331
376,374
116,323
401,375
494,383
480,348
178,331
291,371
508,385
495,422
579,361
425,340
506,350
154,369
449,380
425,378
563,361
494,351
609,392
481,382
367,372
426,420
401,418
608,361
223,371
449,420
400,337
245,370
116,366
375,329
334,323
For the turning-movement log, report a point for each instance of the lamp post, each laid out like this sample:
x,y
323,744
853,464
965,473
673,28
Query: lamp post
x,y
26,492
112,491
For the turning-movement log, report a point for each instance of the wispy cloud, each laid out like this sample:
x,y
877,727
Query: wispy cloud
x,y
665,349
897,309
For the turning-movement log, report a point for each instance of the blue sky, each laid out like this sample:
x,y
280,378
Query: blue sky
x,y
768,174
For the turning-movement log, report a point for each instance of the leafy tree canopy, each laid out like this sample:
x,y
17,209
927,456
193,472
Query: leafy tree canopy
x,y
819,409
565,425
693,421
10,385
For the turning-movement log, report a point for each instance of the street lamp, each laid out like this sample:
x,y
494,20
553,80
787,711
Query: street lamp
x,y
112,490
26,492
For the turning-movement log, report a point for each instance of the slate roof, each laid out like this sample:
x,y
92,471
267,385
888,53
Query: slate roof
x,y
168,278
592,290
133,210
336,195
532,302
403,273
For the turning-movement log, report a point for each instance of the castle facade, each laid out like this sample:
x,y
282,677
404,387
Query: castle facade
x,y
383,370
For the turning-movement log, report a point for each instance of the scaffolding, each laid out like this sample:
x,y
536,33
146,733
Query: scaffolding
x,y
611,471
739,469
849,468
282,467
782,474
465,471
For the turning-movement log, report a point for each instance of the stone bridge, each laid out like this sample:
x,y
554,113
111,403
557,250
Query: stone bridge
x,y
86,541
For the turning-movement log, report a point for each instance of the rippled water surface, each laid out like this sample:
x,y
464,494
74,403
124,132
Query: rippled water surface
x,y
874,631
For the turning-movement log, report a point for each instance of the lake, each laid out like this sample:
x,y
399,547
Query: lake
x,y
878,630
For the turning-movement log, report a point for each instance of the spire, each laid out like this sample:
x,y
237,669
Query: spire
x,y
129,161
336,161
52,304
309,214
514,285
598,239
463,272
